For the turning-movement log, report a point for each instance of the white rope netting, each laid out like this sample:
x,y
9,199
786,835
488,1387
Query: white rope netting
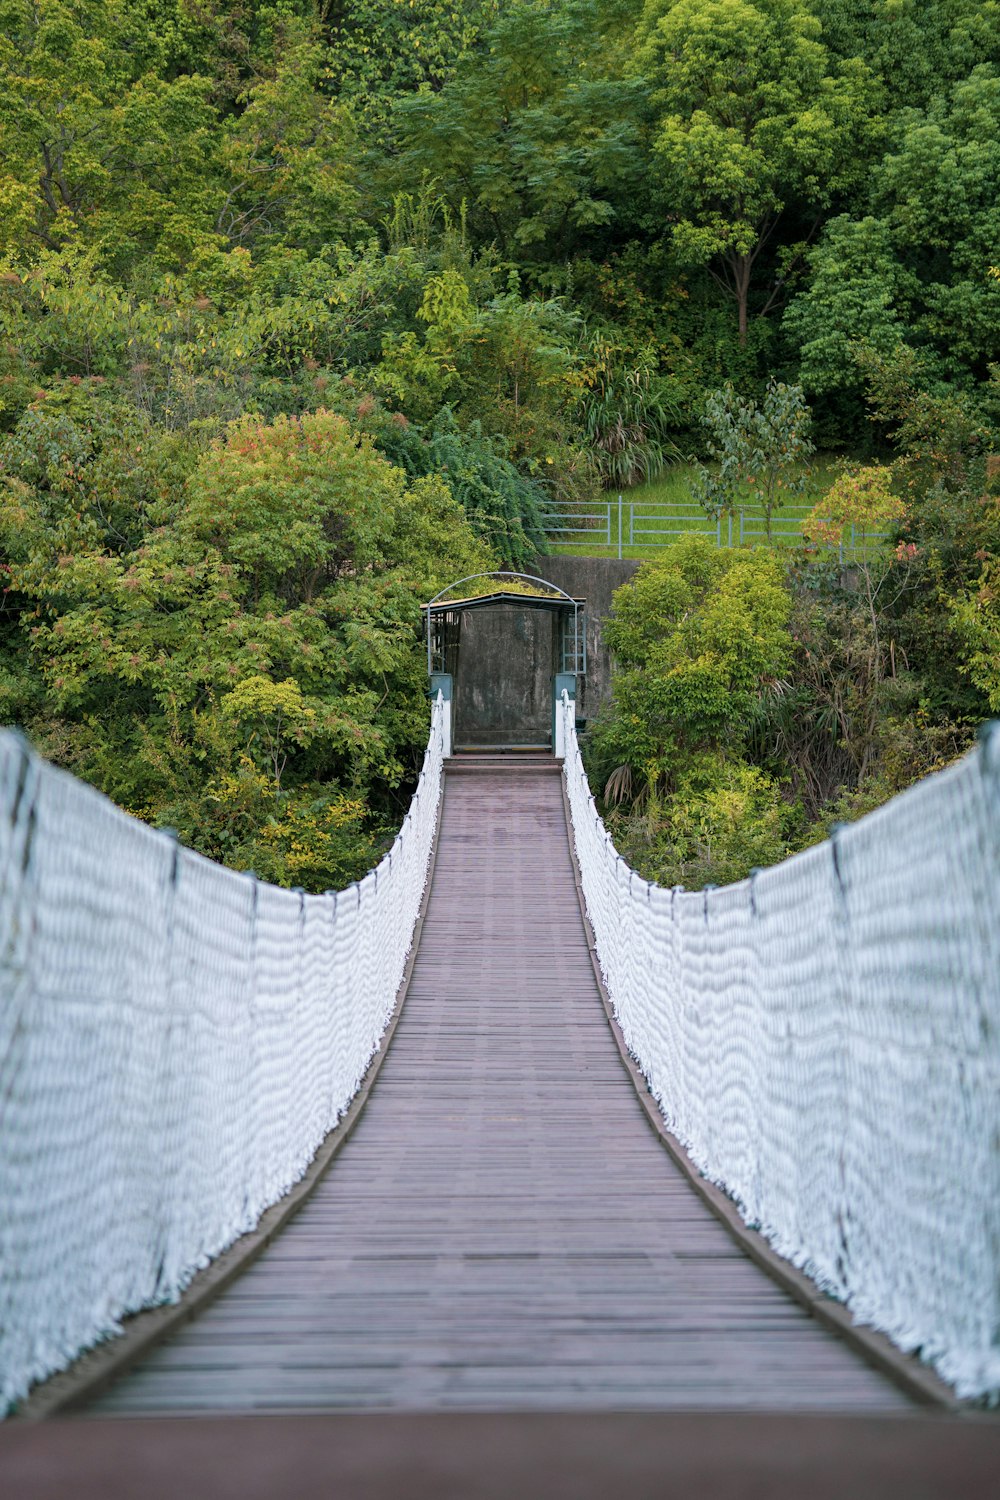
x,y
824,1039
176,1040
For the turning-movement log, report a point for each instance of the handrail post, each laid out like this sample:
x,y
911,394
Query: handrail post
x,y
443,683
563,686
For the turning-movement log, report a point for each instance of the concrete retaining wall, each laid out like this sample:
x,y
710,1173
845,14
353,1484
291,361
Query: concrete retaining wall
x,y
594,579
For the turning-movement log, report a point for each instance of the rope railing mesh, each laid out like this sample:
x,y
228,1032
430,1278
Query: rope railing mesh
x,y
175,1041
824,1039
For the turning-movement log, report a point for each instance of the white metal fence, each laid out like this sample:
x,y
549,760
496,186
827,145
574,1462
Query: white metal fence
x,y
175,1041
824,1038
623,527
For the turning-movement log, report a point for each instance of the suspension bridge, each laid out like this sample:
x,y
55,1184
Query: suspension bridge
x,y
556,1141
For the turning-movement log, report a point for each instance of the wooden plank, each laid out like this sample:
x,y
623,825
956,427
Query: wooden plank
x,y
443,1456
503,1230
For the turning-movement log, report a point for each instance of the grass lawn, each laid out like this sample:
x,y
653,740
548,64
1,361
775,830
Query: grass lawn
x,y
655,514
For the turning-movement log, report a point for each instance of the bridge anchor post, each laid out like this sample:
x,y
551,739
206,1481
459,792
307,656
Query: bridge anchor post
x,y
443,683
561,682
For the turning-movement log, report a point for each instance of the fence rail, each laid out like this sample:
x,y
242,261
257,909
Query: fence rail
x,y
626,526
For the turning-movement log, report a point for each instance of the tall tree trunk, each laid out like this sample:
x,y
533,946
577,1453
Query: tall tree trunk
x,y
742,266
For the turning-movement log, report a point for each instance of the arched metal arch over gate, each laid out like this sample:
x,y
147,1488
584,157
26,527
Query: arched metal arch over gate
x,y
502,647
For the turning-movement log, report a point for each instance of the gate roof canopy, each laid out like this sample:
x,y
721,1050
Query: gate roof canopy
x,y
514,593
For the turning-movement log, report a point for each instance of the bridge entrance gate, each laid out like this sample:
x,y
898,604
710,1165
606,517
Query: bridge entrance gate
x,y
502,647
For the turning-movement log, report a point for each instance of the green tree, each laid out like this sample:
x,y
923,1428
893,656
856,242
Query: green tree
x,y
750,118
861,498
94,148
379,51
914,47
975,618
502,503
249,658
288,159
941,195
857,292
537,135
508,361
951,528
276,717
102,149
918,273
759,450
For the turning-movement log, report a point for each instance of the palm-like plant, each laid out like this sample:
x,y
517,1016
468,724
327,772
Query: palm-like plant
x,y
627,417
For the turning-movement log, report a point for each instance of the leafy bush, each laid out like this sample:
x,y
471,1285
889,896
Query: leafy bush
x,y
861,498
503,506
723,819
699,637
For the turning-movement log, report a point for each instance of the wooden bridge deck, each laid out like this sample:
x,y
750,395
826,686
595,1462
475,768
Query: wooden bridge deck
x,y
502,1231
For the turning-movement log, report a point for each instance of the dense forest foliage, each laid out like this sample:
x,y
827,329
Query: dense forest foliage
x,y
309,306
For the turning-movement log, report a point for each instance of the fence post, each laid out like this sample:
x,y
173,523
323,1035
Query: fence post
x,y
619,527
718,529
729,518
741,528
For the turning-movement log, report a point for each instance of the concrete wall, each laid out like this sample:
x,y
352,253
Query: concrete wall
x,y
507,655
594,579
